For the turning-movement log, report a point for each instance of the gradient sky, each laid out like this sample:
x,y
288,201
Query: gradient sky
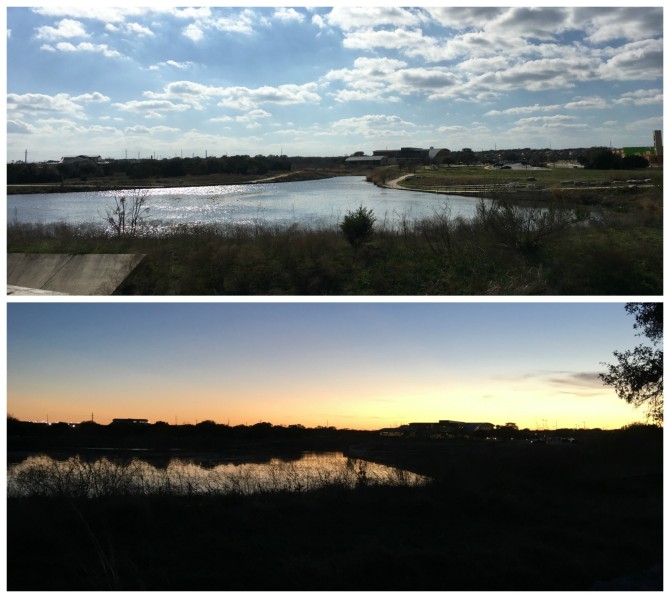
x,y
349,365
124,80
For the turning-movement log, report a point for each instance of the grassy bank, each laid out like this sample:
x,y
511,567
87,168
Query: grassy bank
x,y
120,182
508,249
500,516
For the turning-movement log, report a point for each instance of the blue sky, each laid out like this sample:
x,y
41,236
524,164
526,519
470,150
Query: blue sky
x,y
165,81
358,365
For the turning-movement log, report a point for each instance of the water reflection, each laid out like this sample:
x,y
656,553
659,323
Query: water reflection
x,y
97,476
309,204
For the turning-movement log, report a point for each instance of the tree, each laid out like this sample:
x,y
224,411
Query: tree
x,y
638,377
357,226
127,214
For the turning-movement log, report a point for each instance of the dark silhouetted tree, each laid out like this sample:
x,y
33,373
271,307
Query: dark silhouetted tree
x,y
638,377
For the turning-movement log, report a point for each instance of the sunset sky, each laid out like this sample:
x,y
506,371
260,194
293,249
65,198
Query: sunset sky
x,y
349,365
121,80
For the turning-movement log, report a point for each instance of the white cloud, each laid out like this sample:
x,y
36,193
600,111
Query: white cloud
x,y
95,97
587,103
144,130
19,127
523,109
558,118
137,29
150,106
193,32
372,125
287,15
628,23
244,98
464,18
319,21
83,47
67,28
634,61
173,64
38,103
243,22
249,119
348,18
641,97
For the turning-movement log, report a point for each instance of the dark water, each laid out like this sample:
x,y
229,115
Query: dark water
x,y
315,204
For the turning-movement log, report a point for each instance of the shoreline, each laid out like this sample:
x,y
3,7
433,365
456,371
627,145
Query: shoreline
x,y
162,183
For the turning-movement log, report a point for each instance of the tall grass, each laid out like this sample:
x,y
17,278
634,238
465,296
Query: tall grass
x,y
80,478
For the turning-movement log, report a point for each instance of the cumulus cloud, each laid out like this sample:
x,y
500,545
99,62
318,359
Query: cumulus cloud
x,y
545,119
173,64
238,97
193,32
18,127
348,18
66,28
372,125
103,49
244,98
634,61
249,119
150,106
523,109
589,103
38,103
144,130
95,97
641,97
464,18
627,23
287,15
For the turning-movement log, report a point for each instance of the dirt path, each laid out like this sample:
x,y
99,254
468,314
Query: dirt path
x,y
274,178
394,184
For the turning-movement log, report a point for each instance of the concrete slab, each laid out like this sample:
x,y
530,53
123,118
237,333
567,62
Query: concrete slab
x,y
14,290
90,274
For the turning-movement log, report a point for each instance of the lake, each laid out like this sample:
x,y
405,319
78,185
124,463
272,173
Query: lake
x,y
91,477
309,204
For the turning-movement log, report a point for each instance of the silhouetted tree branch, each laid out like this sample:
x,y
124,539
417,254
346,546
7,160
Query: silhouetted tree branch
x,y
638,377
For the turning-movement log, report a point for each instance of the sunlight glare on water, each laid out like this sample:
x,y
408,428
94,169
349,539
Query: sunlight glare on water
x,y
310,204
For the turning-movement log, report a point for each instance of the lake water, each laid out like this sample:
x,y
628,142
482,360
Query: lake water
x,y
101,476
310,204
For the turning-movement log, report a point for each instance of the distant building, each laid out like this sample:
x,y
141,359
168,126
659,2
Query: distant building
x,y
132,421
445,428
78,159
415,155
649,153
366,161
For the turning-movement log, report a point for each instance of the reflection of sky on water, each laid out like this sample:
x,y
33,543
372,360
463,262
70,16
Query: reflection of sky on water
x,y
310,204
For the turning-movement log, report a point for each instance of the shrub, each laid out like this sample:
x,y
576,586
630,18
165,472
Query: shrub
x,y
357,226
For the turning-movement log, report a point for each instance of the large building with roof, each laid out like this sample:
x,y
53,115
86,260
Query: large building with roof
x,y
416,155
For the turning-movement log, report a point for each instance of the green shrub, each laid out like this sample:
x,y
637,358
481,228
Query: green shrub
x,y
357,226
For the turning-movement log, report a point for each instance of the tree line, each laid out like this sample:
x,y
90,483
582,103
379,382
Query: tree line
x,y
36,172
24,435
